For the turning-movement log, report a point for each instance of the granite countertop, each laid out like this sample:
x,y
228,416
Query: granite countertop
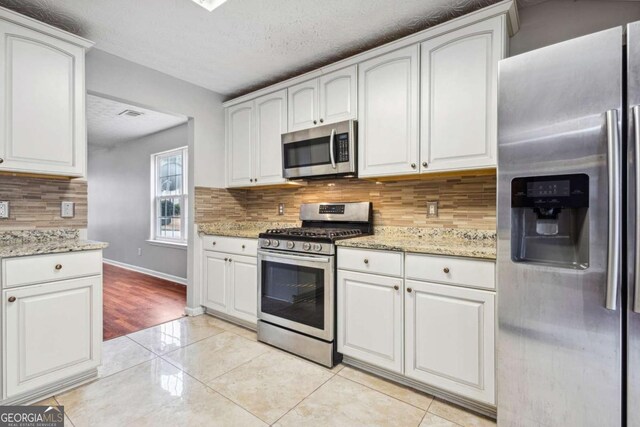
x,y
246,229
436,241
36,242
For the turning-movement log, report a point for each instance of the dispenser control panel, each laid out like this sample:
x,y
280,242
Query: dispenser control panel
x,y
561,191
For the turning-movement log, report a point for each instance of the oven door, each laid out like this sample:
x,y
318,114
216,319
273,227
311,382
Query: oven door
x,y
324,150
297,292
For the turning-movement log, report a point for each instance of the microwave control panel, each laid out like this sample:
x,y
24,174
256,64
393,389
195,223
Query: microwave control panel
x,y
342,148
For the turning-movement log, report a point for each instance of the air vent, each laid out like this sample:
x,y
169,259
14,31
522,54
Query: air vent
x,y
131,113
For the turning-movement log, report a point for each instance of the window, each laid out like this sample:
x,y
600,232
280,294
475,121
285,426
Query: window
x,y
169,195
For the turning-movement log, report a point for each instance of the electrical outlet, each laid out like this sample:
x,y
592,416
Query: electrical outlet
x,y
139,251
67,210
281,209
4,209
432,208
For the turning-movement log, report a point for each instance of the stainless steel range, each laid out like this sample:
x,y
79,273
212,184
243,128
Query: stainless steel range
x,y
297,279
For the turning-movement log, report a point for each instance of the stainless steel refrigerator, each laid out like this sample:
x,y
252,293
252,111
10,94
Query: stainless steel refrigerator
x,y
568,235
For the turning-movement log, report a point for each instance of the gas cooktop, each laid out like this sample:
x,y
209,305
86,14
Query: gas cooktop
x,y
314,233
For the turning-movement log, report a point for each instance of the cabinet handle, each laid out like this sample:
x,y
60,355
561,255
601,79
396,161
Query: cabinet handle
x,y
424,164
315,122
12,299
446,270
409,290
396,287
366,261
58,266
321,120
413,165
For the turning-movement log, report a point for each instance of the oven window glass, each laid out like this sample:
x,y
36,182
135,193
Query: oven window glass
x,y
307,153
293,292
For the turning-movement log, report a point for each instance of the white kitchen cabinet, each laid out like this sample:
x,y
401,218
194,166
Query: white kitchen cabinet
x,y
328,99
388,114
230,278
459,79
370,319
240,137
271,123
450,339
42,100
254,145
52,332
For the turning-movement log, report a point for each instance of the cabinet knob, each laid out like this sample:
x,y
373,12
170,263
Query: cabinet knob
x,y
58,266
446,270
396,287
366,261
229,259
213,243
321,120
251,180
315,122
409,290
1,160
424,164
242,246
255,179
413,165
226,259
12,299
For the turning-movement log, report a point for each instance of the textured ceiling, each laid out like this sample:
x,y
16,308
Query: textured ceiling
x,y
243,44
105,127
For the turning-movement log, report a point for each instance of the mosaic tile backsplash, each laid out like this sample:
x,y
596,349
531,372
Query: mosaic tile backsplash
x,y
464,201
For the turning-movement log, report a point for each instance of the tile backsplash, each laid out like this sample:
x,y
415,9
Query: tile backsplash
x,y
464,201
34,203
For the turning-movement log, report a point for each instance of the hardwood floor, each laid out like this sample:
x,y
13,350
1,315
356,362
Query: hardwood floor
x,y
135,301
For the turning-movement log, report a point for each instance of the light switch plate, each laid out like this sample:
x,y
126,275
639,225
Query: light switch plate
x,y
281,209
432,208
4,210
67,210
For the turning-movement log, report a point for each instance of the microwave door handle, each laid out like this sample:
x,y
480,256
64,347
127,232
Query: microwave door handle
x,y
331,138
636,159
614,178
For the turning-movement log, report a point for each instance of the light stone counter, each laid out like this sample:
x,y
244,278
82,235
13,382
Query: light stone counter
x,y
434,241
35,242
246,229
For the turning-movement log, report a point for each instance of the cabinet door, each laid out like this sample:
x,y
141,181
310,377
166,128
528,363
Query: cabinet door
x,y
243,288
271,123
450,339
370,319
215,278
52,332
303,105
459,76
239,148
338,98
388,114
42,103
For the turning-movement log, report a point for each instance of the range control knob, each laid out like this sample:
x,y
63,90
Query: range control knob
x,y
275,243
266,242
290,245
317,247
306,246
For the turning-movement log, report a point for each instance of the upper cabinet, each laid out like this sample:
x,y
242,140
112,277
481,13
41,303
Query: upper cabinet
x,y
328,99
253,132
42,99
459,80
389,116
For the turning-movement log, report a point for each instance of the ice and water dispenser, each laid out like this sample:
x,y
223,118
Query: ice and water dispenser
x,y
550,220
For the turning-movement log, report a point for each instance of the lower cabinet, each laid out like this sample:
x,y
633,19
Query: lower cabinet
x,y
370,318
53,331
449,334
231,284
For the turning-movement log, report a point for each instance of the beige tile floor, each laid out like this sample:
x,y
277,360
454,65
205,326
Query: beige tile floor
x,y
205,371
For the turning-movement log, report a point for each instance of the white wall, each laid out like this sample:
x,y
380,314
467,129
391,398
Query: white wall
x,y
119,202
557,20
113,77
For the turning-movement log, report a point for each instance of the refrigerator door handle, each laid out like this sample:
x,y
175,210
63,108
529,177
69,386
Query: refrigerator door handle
x,y
636,159
615,206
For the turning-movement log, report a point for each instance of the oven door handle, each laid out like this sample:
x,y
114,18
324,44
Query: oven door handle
x,y
331,139
295,257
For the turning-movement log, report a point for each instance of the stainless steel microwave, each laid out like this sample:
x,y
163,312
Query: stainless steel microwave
x,y
322,151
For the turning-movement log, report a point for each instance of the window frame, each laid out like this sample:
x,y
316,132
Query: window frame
x,y
156,198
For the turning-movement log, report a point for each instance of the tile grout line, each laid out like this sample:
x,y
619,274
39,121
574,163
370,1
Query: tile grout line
x,y
443,417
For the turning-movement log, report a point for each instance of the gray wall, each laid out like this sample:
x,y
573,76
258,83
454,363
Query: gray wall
x,y
558,20
120,202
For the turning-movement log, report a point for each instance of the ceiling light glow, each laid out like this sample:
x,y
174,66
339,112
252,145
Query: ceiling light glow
x,y
209,4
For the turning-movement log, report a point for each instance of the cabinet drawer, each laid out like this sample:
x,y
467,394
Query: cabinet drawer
x,y
457,271
231,245
370,261
28,270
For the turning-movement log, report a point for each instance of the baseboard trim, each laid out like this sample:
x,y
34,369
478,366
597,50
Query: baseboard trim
x,y
159,275
53,389
194,311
